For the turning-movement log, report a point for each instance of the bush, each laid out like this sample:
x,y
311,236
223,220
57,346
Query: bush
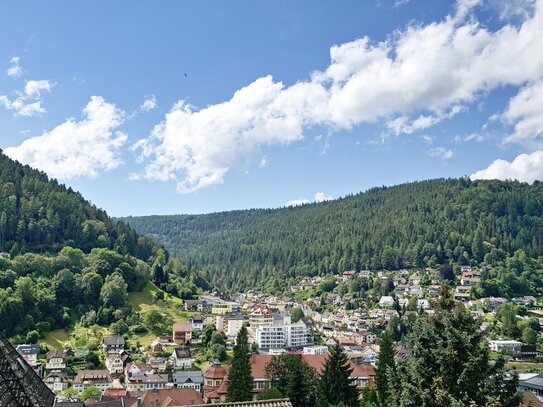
x,y
32,337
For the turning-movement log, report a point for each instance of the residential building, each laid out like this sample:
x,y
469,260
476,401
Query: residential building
x,y
270,337
192,379
146,382
260,315
197,322
55,360
193,305
362,376
297,335
315,350
233,326
182,333
166,398
113,344
114,364
29,352
509,347
92,378
534,385
386,301
159,364
214,382
181,358
56,381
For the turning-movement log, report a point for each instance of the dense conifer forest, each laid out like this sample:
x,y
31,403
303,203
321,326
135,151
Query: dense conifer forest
x,y
411,225
40,215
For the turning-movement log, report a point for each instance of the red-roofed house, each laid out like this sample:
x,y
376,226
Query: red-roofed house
x,y
114,393
166,398
214,383
182,333
362,375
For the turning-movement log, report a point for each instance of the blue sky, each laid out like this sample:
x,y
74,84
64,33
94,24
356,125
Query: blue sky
x,y
201,106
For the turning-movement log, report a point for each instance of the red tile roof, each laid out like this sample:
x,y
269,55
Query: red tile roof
x,y
177,327
167,398
258,365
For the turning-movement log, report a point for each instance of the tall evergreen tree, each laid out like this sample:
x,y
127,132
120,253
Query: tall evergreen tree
x,y
385,364
335,385
293,378
450,364
240,380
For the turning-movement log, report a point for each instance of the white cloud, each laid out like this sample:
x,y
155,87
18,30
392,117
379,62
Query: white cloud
x,y
427,139
404,125
399,3
74,149
441,152
263,162
28,103
33,88
149,104
15,69
525,168
319,197
525,111
413,80
298,202
476,137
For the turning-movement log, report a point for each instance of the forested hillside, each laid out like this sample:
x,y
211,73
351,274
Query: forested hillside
x,y
40,215
63,259
422,223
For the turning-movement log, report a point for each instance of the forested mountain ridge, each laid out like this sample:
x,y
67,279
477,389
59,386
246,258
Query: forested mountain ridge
x,y
37,214
416,224
65,261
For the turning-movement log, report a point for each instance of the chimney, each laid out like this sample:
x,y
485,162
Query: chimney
x,y
139,401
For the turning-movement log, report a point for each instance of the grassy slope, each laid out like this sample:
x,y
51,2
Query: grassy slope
x,y
81,337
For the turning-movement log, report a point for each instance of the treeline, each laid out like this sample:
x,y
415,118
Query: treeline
x,y
37,214
411,225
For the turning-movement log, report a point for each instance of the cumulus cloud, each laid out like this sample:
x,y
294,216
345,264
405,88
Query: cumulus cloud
x,y
73,149
298,202
149,104
15,69
441,152
28,102
525,168
33,88
525,112
416,78
319,197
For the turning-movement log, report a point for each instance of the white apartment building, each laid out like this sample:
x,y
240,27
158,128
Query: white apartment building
x,y
315,350
271,337
296,334
282,334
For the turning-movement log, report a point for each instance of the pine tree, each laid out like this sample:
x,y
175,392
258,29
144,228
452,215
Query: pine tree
x,y
293,378
240,380
335,385
385,364
450,364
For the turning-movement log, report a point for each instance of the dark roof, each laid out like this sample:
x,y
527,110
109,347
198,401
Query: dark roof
x,y
55,354
191,376
535,382
28,349
113,340
182,353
